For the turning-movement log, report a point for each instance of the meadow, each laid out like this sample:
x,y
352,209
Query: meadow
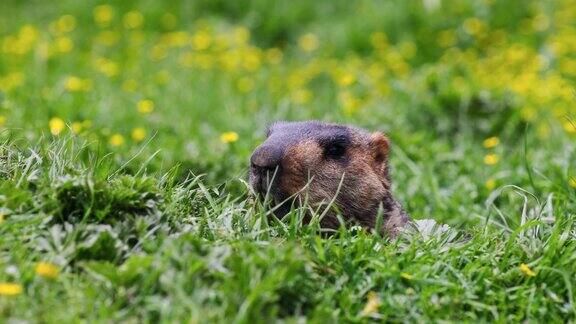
x,y
126,129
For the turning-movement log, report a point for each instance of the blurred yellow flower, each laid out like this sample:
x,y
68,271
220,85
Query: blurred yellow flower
x,y
47,270
490,184
241,35
308,42
73,84
2,120
274,55
473,25
526,270
65,24
56,126
133,19
201,40
569,126
138,134
491,142
1,218
103,15
117,140
76,127
406,276
491,159
63,44
145,106
10,289
372,304
229,137
572,182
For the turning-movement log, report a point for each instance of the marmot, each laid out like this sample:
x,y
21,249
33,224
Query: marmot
x,y
320,163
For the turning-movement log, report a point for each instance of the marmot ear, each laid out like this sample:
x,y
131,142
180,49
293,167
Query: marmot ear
x,y
380,146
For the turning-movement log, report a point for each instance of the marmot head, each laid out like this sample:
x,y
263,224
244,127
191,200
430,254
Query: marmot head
x,y
323,163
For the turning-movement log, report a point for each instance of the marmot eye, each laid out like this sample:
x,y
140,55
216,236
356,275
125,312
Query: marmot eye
x,y
335,150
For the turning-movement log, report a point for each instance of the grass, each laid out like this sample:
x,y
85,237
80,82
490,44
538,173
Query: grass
x,y
124,149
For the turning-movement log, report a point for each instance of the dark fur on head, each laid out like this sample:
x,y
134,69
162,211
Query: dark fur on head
x,y
328,162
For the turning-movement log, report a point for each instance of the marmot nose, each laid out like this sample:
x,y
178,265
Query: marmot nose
x,y
266,158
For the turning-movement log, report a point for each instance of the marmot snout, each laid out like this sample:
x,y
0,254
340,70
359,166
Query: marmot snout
x,y
320,163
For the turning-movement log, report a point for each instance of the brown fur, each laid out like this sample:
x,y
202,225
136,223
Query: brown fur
x,y
301,157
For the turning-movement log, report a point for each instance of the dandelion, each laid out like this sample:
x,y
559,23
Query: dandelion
x,y
74,84
491,142
526,270
116,140
56,126
569,126
133,19
229,137
65,24
145,106
76,127
138,134
406,276
63,44
491,159
201,40
274,55
572,182
308,42
490,184
10,289
47,270
372,304
103,15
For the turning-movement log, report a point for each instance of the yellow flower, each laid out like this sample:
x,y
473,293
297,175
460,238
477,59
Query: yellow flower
x,y
229,137
47,270
63,44
73,84
76,127
1,218
103,15
308,42
117,140
490,184
570,126
274,55
491,142
572,182
145,106
65,24
56,126
201,40
526,270
2,120
10,289
406,276
491,159
138,134
133,19
372,304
